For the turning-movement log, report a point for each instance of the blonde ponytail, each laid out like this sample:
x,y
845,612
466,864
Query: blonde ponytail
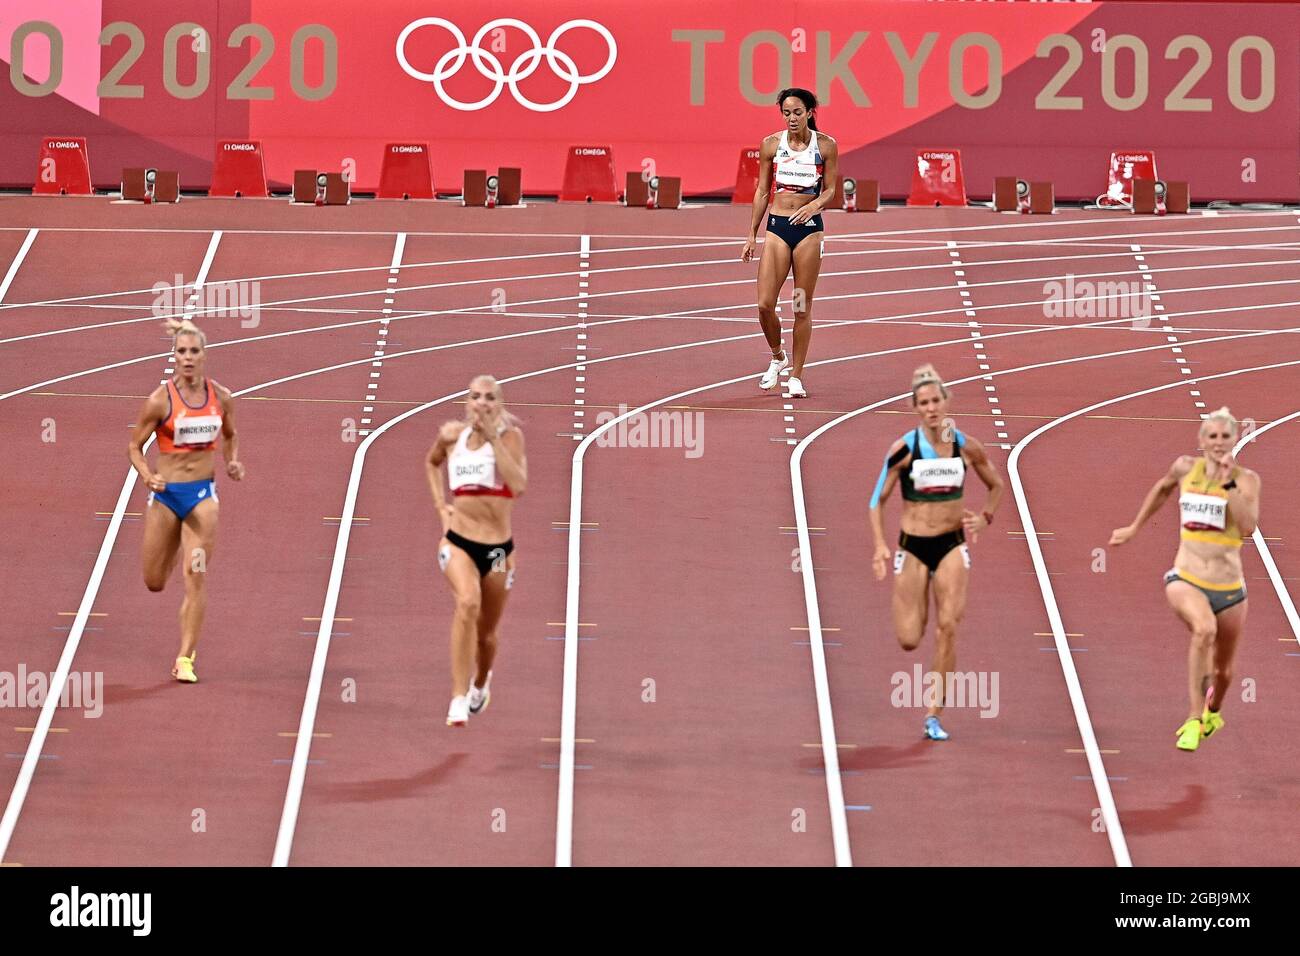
x,y
927,375
179,327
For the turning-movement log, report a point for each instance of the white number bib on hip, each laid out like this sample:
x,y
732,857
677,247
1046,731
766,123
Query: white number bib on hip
x,y
1203,512
937,476
196,429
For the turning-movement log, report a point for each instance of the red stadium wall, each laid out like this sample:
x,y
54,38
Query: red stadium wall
x,y
1039,90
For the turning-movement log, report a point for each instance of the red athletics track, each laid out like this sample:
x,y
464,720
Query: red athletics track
x,y
687,571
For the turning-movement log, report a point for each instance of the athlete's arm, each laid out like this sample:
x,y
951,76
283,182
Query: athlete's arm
x,y
229,436
979,460
830,176
766,153
509,451
1243,502
897,457
1155,498
152,412
432,468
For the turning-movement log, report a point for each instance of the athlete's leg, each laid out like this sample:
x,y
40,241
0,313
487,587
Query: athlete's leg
x,y
807,267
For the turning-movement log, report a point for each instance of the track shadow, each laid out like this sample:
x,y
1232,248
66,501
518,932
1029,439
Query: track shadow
x,y
393,788
1178,815
124,693
877,758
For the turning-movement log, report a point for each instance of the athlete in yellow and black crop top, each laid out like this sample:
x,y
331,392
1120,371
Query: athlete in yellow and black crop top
x,y
1218,503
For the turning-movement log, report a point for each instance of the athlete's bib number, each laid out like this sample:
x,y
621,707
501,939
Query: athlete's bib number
x,y
937,476
1203,512
196,429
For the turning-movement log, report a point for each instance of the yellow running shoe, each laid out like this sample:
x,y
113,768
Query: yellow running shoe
x,y
1189,734
184,670
1210,722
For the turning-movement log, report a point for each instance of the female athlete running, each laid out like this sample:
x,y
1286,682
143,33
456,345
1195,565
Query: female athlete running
x,y
934,526
487,471
1219,505
186,415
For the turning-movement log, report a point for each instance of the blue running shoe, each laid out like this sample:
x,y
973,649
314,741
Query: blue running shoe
x,y
933,730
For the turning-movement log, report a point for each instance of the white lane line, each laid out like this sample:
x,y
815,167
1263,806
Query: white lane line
x,y
1102,218
1274,576
18,261
111,534
1101,784
678,265
977,337
639,318
580,352
568,706
381,340
810,584
36,744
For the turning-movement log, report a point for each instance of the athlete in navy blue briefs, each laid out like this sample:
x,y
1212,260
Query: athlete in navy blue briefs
x,y
930,463
803,164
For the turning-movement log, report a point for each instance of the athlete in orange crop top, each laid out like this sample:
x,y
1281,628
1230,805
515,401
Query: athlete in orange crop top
x,y
803,163
487,471
187,415
1218,504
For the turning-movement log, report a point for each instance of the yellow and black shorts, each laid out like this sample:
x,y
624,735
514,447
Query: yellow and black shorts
x,y
1221,596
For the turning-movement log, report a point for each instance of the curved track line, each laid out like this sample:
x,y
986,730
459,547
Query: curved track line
x,y
1109,814
830,753
23,782
18,261
813,607
1274,576
680,314
709,262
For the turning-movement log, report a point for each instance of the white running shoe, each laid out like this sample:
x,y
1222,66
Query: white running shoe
x,y
480,697
795,388
458,712
774,371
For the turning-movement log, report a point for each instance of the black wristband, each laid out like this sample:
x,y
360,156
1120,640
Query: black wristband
x,y
1230,485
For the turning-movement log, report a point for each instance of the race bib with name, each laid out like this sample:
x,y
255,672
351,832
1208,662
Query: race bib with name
x,y
937,476
479,473
196,429
1203,512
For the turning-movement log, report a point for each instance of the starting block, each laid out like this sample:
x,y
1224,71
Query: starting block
x,y
1010,194
1125,167
239,169
657,192
589,175
1042,199
150,185
321,189
861,195
937,179
1157,197
852,195
1178,197
480,189
64,167
406,172
746,177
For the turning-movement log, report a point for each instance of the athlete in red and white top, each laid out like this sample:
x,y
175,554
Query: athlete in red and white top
x,y
187,415
486,471
803,163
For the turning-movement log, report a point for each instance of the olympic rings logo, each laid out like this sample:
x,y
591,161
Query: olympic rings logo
x,y
489,66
